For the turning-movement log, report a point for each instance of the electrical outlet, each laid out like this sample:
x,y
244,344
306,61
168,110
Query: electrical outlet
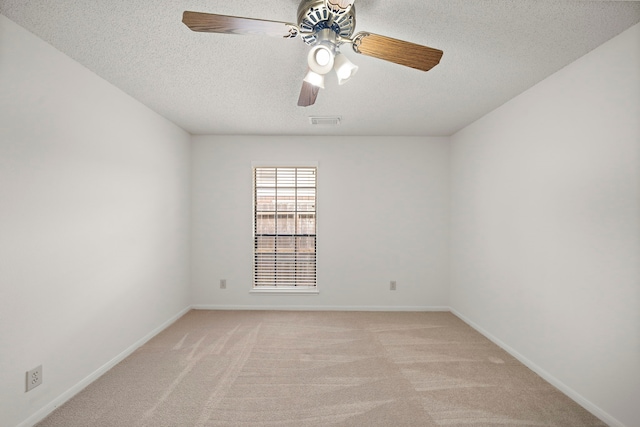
x,y
34,378
392,285
223,283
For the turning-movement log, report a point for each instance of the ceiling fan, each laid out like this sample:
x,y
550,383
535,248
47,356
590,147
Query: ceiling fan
x,y
326,25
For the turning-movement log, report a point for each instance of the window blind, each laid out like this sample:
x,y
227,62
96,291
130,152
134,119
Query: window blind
x,y
284,227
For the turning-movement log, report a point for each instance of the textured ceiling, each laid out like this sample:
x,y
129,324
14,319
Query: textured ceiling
x,y
231,84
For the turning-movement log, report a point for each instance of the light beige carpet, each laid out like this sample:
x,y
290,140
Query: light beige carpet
x,y
274,368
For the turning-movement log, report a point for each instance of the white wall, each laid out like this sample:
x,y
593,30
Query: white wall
x,y
546,227
382,215
94,210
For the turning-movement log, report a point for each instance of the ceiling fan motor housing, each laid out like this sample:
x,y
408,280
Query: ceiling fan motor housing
x,y
314,16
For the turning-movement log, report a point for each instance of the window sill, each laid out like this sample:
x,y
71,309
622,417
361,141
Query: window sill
x,y
292,290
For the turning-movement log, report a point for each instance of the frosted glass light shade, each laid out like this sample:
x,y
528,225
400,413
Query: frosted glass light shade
x,y
320,59
315,79
345,69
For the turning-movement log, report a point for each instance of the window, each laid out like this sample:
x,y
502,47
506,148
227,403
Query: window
x,y
284,201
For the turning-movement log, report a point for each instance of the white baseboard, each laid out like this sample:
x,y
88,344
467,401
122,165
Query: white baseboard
x,y
43,412
586,404
317,308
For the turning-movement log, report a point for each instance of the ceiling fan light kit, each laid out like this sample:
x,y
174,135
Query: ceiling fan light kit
x,y
321,57
325,25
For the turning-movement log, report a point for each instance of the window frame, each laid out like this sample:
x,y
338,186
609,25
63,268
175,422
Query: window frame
x,y
282,289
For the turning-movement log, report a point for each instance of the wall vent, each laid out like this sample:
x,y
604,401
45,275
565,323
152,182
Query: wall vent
x,y
327,121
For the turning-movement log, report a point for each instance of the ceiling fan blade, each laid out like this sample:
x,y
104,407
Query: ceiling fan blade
x,y
212,23
404,53
339,7
308,94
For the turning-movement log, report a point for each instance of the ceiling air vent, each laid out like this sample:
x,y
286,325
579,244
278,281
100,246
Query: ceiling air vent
x,y
327,121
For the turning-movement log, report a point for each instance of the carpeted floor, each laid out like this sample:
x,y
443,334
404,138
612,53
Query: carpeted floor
x,y
275,368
